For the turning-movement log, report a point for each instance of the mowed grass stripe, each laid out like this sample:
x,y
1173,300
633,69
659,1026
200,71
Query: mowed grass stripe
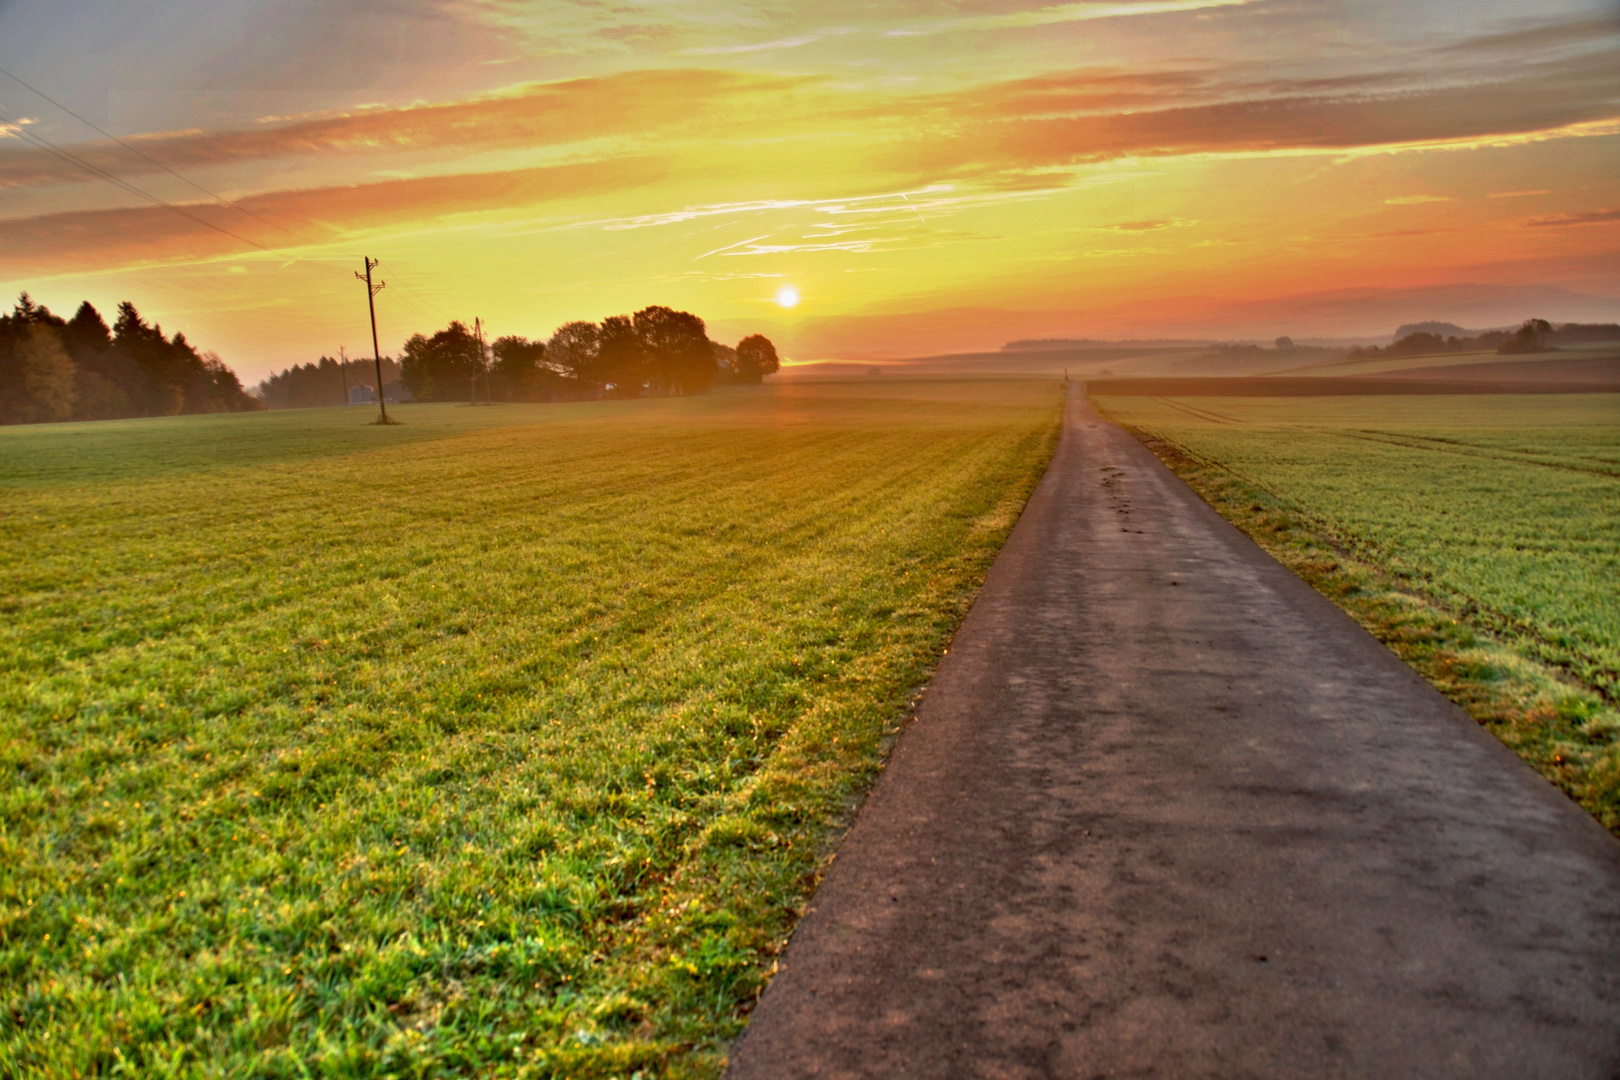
x,y
522,761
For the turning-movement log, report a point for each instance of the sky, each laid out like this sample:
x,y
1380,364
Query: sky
x,y
928,177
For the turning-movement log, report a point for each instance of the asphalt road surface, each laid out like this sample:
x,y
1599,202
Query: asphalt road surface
x,y
1166,812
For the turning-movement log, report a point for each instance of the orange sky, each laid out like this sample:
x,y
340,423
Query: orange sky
x,y
929,177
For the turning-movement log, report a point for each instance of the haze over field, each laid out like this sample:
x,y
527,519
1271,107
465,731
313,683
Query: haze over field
x,y
929,177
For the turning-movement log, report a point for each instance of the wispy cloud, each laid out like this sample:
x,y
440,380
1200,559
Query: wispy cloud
x,y
763,46
1591,217
1060,13
1416,200
1534,100
1530,34
1153,225
551,114
317,215
675,217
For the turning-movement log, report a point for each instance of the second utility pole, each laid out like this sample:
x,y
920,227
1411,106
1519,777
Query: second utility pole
x,y
376,353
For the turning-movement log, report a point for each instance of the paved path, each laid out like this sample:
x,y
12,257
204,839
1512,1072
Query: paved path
x,y
1167,812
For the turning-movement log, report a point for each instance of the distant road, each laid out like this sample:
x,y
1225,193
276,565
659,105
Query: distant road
x,y
1165,811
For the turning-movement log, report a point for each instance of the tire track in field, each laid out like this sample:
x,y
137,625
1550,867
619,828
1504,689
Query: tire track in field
x,y
1202,414
1462,449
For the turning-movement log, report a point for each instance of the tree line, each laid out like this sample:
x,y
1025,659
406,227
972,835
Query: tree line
x,y
326,381
81,369
1532,336
53,368
657,351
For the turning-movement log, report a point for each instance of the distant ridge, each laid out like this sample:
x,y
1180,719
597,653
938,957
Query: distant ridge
x,y
1444,329
1048,344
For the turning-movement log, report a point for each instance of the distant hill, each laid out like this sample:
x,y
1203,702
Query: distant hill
x,y
1055,344
1443,329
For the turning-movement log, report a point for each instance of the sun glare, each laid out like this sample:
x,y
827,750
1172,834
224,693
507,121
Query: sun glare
x,y
787,296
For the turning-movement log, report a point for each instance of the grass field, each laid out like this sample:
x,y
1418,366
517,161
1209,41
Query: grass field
x,y
1479,536
506,742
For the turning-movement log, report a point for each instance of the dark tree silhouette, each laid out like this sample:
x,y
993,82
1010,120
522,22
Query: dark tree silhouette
x,y
442,367
677,348
519,372
54,369
1529,338
623,363
572,352
756,358
322,383
47,376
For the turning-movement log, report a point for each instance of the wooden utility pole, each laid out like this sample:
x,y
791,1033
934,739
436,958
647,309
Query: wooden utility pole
x,y
343,372
376,353
483,365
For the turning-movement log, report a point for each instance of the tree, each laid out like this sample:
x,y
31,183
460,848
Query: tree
x,y
321,383
677,348
47,376
1529,338
756,358
442,367
572,350
725,362
88,330
130,370
622,358
162,393
519,372
1284,343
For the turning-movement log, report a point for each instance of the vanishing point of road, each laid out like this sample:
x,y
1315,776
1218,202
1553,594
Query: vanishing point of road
x,y
1166,812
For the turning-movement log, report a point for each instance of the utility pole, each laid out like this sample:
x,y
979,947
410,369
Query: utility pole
x,y
376,353
483,365
489,363
343,372
478,335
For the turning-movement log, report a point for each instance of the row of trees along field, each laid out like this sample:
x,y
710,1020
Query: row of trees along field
x,y
326,381
80,369
656,351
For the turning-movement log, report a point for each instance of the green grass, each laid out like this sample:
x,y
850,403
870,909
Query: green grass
x,y
506,742
1479,536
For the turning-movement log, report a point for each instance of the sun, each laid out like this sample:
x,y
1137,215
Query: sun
x,y
787,296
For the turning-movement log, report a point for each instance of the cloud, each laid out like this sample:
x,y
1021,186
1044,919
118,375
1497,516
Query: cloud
x,y
551,114
764,46
1059,13
1417,200
1538,34
1518,194
1543,98
1591,217
98,238
1150,226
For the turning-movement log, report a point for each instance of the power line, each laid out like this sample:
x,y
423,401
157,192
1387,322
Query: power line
x,y
45,144
158,164
51,148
